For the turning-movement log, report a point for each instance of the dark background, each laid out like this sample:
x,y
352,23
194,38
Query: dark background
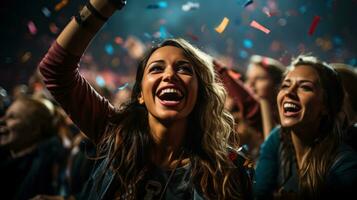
x,y
333,41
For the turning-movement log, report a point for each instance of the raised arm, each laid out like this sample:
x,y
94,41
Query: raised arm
x,y
59,67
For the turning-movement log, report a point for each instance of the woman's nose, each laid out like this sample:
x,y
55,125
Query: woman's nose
x,y
169,75
291,91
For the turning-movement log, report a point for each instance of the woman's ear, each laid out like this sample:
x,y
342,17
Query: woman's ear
x,y
141,99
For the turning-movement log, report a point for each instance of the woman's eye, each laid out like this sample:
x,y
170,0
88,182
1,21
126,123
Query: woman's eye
x,y
155,69
306,87
185,69
284,86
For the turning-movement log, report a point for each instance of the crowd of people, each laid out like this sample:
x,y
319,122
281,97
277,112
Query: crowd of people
x,y
189,127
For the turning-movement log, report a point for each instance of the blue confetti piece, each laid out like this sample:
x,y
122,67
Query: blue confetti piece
x,y
46,12
243,54
109,49
147,35
247,3
123,86
247,43
337,40
160,4
100,81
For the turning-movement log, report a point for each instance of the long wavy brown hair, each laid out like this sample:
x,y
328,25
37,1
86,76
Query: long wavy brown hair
x,y
323,152
128,140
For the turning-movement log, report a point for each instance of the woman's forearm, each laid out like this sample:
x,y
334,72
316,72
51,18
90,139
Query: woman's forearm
x,y
75,38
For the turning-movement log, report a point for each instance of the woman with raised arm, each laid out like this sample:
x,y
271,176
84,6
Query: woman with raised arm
x,y
170,141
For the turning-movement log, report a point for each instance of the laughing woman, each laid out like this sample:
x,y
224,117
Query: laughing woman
x,y
170,141
305,158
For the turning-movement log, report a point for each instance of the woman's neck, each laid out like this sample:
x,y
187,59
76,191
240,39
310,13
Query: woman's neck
x,y
168,139
302,141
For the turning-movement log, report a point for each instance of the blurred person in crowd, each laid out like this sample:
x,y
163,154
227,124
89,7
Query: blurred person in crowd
x,y
171,140
245,109
20,90
28,135
349,115
263,77
5,101
122,95
306,158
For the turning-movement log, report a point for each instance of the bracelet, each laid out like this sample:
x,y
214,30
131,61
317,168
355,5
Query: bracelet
x,y
84,18
95,12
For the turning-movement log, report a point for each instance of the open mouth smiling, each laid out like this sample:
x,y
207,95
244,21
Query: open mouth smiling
x,y
170,96
291,108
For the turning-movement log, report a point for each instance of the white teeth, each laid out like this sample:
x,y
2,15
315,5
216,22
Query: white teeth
x,y
170,90
290,105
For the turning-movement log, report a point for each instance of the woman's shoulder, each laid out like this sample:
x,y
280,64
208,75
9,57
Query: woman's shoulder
x,y
342,177
346,158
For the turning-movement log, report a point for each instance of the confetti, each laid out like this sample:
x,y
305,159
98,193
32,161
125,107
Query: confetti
x,y
46,12
190,6
32,27
247,3
267,11
109,49
223,25
100,81
258,26
61,5
243,54
26,57
118,40
123,86
160,4
53,28
247,43
314,23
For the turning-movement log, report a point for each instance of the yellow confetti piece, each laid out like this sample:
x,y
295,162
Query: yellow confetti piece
x,y
61,5
223,25
26,57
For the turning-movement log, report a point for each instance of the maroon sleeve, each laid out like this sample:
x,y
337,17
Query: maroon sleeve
x,y
247,104
88,110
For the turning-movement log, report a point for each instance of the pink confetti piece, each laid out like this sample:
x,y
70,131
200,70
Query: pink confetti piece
x,y
32,27
53,28
267,11
314,24
118,40
258,26
222,26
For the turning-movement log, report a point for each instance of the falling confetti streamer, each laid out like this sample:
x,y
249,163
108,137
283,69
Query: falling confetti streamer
x,y
314,24
26,57
46,12
223,25
61,5
123,86
190,6
258,26
247,3
32,28
161,4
